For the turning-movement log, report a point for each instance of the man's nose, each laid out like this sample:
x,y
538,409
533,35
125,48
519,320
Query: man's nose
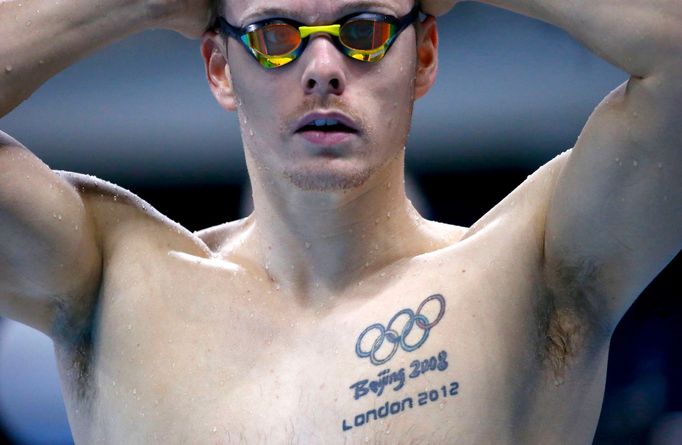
x,y
324,67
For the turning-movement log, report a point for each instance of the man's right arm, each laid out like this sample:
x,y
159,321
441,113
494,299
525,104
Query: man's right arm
x,y
50,257
39,38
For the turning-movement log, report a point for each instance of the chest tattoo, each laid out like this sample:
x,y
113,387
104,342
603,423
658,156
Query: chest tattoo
x,y
407,330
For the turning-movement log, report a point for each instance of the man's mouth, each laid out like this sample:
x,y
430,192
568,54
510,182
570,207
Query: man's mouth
x,y
327,126
326,129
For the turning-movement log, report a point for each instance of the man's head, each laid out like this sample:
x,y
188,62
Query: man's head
x,y
276,106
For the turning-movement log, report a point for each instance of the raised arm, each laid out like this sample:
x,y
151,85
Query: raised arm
x,y
40,38
50,257
615,217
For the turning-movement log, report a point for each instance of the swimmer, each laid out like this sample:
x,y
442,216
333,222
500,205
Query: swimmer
x,y
335,313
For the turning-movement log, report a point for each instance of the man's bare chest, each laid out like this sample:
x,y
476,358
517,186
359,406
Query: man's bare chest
x,y
424,348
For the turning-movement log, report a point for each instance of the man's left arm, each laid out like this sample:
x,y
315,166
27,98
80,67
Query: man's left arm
x,y
615,216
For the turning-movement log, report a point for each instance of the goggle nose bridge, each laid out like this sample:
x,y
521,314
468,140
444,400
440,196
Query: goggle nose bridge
x,y
305,31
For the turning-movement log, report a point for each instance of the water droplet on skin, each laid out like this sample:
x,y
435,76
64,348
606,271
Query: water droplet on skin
x,y
250,132
214,429
251,315
130,327
388,215
659,165
442,405
28,24
134,390
634,163
307,245
8,69
41,62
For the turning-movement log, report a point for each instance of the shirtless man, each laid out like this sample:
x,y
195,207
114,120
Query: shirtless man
x,y
335,313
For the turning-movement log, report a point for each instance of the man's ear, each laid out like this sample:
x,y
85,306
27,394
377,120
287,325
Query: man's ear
x,y
214,53
427,56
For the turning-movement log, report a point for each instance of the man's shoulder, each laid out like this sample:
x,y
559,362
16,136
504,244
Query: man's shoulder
x,y
528,202
118,212
218,236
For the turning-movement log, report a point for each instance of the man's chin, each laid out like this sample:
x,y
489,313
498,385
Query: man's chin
x,y
328,180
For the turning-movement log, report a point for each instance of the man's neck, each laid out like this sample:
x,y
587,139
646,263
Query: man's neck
x,y
317,245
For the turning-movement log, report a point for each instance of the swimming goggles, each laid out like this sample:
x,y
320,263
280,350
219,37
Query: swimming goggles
x,y
361,36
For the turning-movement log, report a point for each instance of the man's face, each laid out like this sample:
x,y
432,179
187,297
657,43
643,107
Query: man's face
x,y
275,105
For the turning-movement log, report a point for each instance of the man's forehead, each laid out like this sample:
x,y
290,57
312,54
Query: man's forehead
x,y
244,11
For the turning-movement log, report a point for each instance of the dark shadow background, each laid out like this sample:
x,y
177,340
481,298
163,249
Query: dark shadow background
x,y
512,93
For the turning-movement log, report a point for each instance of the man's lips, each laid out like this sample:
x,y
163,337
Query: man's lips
x,y
326,138
326,128
326,122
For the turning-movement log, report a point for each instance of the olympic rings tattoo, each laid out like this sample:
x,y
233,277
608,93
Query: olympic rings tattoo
x,y
398,339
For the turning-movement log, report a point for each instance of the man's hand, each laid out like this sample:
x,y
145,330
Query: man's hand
x,y
437,7
188,17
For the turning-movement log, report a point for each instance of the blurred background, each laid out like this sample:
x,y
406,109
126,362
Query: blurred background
x,y
512,93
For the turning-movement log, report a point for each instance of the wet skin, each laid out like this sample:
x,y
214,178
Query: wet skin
x,y
189,327
307,321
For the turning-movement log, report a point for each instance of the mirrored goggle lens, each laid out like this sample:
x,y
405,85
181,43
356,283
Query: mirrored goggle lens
x,y
279,39
366,35
274,39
